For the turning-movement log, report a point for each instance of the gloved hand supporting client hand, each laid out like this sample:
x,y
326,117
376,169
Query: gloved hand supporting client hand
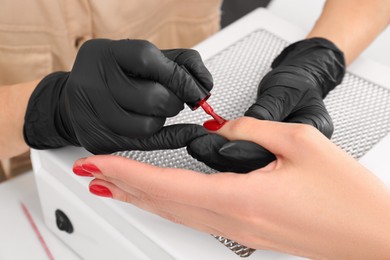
x,y
293,91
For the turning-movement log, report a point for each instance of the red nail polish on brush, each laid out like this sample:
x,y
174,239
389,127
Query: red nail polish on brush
x,y
209,110
204,94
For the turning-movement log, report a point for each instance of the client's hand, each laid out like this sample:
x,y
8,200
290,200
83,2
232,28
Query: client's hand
x,y
314,200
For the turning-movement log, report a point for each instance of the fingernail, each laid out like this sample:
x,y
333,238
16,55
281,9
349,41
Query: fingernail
x,y
80,172
90,168
100,190
212,125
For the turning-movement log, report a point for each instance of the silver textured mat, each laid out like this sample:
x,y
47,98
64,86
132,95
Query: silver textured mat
x,y
360,109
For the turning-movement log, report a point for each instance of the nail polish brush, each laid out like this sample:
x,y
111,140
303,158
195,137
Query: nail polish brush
x,y
209,110
204,95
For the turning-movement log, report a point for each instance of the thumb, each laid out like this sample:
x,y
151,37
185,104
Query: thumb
x,y
170,137
254,155
315,114
274,104
278,138
278,94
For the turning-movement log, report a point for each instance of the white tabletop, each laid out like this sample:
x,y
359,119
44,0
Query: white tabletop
x,y
17,237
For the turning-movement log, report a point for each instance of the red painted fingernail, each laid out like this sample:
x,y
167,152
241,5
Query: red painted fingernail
x,y
80,172
212,125
100,191
90,168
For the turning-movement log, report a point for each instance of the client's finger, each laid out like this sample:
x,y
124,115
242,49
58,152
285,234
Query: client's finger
x,y
279,138
165,183
180,213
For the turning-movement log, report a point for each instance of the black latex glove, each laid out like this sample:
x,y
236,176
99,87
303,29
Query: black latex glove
x,y
293,91
117,97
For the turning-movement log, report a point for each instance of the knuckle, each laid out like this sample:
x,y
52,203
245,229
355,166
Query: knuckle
x,y
146,54
87,44
145,47
143,197
92,44
193,52
171,218
125,197
302,133
148,201
241,125
188,55
151,125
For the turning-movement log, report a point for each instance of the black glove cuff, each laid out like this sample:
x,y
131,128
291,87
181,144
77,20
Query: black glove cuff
x,y
320,57
40,131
